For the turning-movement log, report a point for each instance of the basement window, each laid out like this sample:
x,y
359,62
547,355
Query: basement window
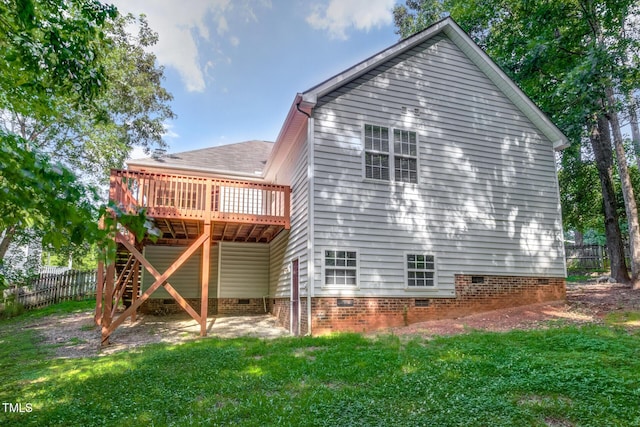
x,y
244,301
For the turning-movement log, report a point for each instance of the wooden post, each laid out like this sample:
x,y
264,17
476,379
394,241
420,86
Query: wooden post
x,y
204,298
206,260
108,302
100,280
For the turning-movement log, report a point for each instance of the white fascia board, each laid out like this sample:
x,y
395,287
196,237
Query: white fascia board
x,y
294,122
506,85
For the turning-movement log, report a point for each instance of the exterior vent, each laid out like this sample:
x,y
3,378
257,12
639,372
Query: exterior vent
x,y
477,279
416,111
168,301
543,281
422,303
345,302
244,301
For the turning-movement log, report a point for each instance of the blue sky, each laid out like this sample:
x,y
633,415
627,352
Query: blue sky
x,y
234,66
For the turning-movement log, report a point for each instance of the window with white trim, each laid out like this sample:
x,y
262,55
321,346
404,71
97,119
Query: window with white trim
x,y
340,268
376,152
405,150
421,271
381,155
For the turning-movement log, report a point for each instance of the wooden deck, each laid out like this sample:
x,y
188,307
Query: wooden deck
x,y
180,205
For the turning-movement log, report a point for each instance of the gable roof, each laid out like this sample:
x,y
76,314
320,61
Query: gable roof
x,y
243,158
306,101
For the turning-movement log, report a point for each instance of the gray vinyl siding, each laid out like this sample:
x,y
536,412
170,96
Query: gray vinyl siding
x,y
279,276
244,270
486,201
186,280
293,244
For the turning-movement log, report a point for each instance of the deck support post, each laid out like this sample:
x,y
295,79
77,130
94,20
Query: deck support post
x,y
206,259
100,280
107,313
204,298
99,292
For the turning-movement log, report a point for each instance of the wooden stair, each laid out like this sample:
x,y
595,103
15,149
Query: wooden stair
x,y
124,272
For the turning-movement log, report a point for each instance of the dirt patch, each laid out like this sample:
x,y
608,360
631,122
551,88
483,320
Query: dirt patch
x,y
75,335
586,303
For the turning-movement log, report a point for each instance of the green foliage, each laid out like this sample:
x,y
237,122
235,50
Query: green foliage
x,y
77,92
50,51
577,376
38,194
131,109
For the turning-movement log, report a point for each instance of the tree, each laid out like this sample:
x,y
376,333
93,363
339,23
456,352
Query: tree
x,y
131,108
571,57
50,51
76,93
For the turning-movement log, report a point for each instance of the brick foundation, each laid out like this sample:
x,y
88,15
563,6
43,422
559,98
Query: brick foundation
x,y
281,309
160,306
242,306
239,306
366,314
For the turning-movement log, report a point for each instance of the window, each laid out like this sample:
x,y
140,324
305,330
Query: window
x,y
405,149
376,157
421,271
380,156
341,268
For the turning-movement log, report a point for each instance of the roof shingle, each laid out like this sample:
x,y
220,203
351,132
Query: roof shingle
x,y
242,158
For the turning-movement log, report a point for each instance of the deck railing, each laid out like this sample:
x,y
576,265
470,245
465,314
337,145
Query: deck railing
x,y
192,197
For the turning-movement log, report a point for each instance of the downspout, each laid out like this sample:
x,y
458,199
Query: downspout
x,y
310,218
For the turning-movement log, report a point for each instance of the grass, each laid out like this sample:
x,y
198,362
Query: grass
x,y
585,376
622,318
574,278
65,307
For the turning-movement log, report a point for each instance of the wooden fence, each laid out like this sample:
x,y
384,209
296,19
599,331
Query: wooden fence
x,y
586,257
53,288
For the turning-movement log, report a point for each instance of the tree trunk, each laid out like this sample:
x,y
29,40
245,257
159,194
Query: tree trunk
x,y
578,238
7,238
627,190
601,144
635,130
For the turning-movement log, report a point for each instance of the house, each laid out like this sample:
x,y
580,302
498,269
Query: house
x,y
418,184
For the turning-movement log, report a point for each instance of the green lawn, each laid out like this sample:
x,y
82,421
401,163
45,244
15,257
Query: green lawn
x,y
561,376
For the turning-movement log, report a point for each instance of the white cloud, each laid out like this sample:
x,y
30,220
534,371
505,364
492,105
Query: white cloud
x,y
137,153
168,131
340,15
183,29
223,26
